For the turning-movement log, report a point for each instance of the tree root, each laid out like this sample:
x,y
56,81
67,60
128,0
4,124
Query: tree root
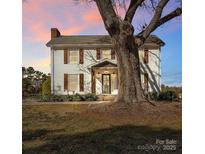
x,y
147,100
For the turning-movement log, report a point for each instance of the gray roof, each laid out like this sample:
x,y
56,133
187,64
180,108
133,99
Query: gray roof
x,y
103,62
92,40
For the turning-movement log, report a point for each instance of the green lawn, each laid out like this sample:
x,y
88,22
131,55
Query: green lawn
x,y
99,129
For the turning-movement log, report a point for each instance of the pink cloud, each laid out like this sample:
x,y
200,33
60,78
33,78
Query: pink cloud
x,y
92,16
72,30
39,16
35,18
39,64
40,33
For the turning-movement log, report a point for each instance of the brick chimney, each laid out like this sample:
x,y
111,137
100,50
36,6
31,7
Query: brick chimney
x,y
55,33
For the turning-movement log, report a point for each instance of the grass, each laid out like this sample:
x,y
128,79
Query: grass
x,y
101,129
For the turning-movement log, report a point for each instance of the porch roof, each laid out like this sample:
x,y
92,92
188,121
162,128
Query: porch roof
x,y
103,63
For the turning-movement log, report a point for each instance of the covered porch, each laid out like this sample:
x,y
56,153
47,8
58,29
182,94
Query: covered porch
x,y
104,79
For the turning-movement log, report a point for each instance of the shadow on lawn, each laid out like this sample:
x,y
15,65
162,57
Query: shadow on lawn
x,y
115,140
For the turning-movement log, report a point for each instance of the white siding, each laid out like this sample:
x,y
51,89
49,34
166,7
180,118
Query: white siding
x,y
152,68
60,69
51,53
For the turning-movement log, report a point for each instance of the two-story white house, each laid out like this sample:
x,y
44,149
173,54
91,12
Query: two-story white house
x,y
87,64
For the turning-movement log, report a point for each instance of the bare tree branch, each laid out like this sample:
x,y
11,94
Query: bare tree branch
x,y
153,23
141,37
108,15
155,18
83,68
153,4
89,56
134,4
170,16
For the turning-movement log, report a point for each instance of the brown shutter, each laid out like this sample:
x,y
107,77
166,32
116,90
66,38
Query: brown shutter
x,y
81,82
146,78
146,59
81,56
93,81
65,82
65,56
112,54
98,54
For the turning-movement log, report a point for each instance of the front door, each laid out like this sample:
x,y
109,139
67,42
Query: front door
x,y
106,84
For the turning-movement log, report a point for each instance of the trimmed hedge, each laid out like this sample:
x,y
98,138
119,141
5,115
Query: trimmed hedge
x,y
65,98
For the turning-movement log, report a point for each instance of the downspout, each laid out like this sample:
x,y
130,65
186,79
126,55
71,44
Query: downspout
x,y
159,69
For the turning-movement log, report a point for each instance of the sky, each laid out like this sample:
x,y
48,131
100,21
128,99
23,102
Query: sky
x,y
74,18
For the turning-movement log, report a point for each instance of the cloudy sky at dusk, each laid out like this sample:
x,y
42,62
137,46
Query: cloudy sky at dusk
x,y
73,18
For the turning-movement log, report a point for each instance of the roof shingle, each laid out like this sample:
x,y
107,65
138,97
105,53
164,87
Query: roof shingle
x,y
93,40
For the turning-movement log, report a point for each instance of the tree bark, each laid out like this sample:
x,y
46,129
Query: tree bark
x,y
129,83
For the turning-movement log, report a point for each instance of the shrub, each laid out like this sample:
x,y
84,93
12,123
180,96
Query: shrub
x,y
90,97
58,98
69,97
64,98
153,95
78,97
168,95
46,87
52,98
164,96
45,98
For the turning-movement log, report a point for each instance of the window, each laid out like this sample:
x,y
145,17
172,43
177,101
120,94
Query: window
x,y
106,54
73,57
72,82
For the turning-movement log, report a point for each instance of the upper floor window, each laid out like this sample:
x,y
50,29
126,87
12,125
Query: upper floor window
x,y
106,54
73,57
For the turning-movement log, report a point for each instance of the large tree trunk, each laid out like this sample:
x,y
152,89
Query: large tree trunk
x,y
121,32
129,85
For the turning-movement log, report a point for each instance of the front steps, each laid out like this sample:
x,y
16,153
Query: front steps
x,y
106,97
